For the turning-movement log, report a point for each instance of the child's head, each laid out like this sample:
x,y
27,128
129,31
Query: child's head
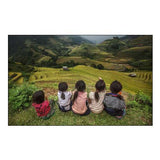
x,y
38,97
63,86
100,86
80,85
115,87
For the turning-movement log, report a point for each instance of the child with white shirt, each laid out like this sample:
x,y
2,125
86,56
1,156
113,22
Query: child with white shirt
x,y
96,98
64,97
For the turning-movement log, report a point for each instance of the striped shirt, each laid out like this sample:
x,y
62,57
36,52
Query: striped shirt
x,y
96,107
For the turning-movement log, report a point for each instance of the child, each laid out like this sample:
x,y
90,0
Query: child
x,y
114,103
96,98
80,104
64,97
44,108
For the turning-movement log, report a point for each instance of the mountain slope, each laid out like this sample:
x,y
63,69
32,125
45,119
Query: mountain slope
x,y
42,49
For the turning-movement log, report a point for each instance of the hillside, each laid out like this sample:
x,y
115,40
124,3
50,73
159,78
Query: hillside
x,y
41,50
133,50
126,53
49,78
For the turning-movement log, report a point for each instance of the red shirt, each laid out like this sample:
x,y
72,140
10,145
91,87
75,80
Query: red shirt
x,y
42,109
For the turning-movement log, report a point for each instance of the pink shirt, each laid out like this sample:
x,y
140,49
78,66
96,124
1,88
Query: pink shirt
x,y
79,105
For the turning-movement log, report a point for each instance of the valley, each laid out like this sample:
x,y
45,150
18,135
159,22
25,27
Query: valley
x,y
35,62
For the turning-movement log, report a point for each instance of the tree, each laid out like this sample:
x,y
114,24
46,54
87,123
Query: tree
x,y
100,66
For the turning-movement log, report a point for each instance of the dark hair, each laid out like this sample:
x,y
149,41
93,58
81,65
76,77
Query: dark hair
x,y
80,86
100,86
38,97
115,87
63,86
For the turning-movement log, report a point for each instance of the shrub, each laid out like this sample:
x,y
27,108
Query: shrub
x,y
100,66
132,104
20,96
141,101
93,65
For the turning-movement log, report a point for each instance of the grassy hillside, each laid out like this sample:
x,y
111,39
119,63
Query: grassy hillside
x,y
90,51
90,75
133,50
38,50
48,79
87,61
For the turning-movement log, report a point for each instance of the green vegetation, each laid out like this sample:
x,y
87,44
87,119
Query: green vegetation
x,y
20,97
89,62
31,56
141,101
46,51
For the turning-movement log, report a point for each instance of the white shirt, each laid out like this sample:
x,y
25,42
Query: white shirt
x,y
67,100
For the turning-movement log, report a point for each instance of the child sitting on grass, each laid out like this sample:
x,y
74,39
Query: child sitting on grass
x,y
96,98
44,108
80,104
64,97
114,103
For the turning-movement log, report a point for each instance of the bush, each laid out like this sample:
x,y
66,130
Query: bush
x,y
93,65
20,96
100,66
141,101
132,104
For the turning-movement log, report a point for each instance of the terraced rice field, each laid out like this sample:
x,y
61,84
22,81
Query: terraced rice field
x,y
15,77
50,77
146,76
87,61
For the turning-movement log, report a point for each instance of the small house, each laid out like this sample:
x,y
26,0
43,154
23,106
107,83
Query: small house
x,y
65,68
132,75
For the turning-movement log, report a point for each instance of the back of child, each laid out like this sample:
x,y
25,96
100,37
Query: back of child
x,y
44,108
96,98
64,97
80,104
114,103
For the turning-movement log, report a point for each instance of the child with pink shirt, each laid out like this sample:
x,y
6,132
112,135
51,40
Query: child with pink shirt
x,y
80,104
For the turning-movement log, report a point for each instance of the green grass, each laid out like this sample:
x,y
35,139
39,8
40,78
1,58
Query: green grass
x,y
29,117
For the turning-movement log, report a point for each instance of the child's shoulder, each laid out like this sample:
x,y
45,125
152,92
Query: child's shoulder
x,y
91,93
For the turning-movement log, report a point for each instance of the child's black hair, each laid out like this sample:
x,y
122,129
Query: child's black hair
x,y
38,97
80,86
63,86
116,87
100,86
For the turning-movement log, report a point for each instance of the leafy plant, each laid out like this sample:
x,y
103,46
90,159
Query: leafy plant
x,y
20,96
141,101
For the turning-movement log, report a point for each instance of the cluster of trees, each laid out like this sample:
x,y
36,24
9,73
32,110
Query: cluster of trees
x,y
99,66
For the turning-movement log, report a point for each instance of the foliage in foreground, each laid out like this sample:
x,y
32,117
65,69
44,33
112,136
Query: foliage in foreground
x,y
141,101
20,96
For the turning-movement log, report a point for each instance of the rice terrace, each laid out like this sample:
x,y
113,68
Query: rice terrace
x,y
36,62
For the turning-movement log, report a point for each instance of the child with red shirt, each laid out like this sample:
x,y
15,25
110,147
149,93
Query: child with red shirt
x,y
44,108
